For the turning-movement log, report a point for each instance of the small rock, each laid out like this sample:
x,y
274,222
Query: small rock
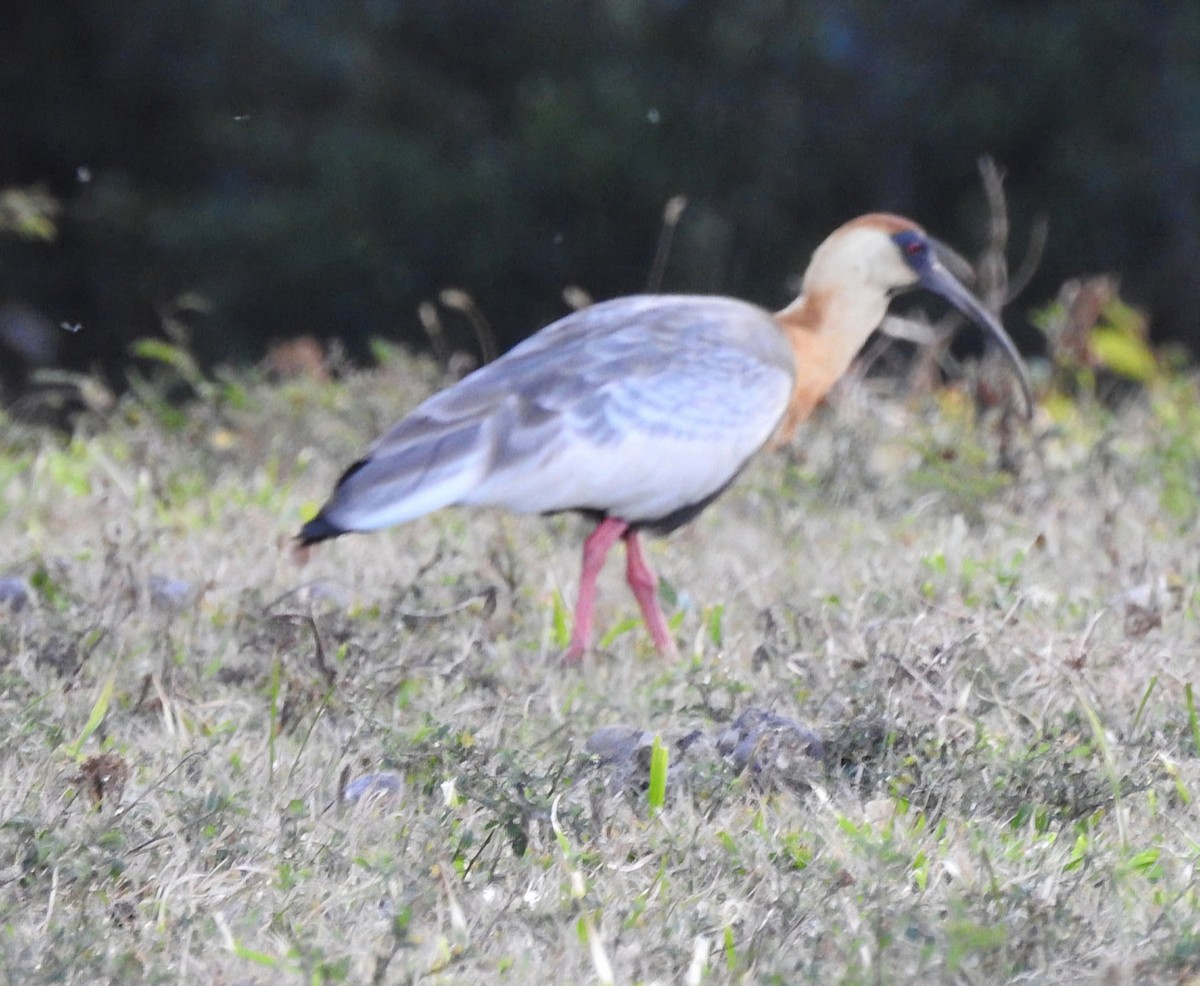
x,y
326,592
169,594
378,784
617,743
1147,596
758,737
758,741
14,593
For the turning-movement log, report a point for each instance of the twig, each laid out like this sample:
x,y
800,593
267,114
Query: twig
x,y
1039,233
322,665
431,322
672,212
993,267
459,301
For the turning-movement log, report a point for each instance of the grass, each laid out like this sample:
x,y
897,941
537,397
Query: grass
x,y
219,766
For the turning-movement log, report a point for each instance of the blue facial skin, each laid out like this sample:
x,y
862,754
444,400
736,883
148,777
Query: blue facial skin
x,y
914,248
932,275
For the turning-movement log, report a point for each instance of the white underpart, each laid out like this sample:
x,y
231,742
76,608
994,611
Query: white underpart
x,y
642,477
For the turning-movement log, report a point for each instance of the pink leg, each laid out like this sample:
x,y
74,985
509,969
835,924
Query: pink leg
x,y
595,549
644,584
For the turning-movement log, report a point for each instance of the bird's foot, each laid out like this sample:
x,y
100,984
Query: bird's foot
x,y
665,644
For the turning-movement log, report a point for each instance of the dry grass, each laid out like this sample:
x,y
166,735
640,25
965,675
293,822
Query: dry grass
x,y
998,669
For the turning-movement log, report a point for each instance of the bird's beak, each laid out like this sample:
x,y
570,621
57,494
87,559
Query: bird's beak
x,y
938,279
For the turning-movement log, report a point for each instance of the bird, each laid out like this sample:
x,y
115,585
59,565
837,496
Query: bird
x,y
639,411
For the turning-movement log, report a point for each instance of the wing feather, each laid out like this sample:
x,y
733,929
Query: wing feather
x,y
636,407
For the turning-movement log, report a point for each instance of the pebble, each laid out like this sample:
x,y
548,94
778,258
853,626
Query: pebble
x,y
14,593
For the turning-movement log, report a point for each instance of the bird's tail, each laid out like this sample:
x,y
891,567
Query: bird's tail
x,y
316,530
396,484
321,528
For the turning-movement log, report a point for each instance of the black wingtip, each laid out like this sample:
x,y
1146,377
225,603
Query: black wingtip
x,y
316,530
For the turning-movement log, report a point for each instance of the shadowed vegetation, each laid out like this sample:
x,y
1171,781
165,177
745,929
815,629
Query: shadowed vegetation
x,y
324,169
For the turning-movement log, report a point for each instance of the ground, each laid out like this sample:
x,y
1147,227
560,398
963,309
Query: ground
x,y
998,665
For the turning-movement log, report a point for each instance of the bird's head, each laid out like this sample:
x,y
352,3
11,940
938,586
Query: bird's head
x,y
872,259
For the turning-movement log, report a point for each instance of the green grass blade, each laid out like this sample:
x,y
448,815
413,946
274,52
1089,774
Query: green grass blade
x,y
716,625
1195,723
99,710
559,623
1142,705
618,629
660,760
273,721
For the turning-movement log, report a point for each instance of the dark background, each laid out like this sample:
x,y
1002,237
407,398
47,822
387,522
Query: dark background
x,y
322,167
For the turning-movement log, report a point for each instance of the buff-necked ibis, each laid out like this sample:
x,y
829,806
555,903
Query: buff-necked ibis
x,y
638,412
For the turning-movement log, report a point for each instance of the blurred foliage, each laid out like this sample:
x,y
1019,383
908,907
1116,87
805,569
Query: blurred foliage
x,y
1097,342
324,168
29,213
1123,350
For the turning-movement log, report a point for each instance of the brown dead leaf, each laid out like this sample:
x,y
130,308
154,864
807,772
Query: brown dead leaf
x,y
105,776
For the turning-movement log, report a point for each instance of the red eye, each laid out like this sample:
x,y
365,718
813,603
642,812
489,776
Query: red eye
x,y
913,247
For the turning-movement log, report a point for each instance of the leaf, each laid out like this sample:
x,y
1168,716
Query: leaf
x,y
966,938
29,213
175,357
716,629
258,958
1124,353
99,710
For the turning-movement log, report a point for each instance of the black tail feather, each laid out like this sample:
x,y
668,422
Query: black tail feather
x,y
318,529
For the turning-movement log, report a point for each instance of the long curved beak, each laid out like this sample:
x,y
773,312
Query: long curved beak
x,y
937,278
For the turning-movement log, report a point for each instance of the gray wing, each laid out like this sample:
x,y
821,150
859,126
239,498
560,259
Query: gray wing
x,y
635,407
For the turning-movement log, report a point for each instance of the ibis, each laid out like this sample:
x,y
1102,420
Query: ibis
x,y
639,412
